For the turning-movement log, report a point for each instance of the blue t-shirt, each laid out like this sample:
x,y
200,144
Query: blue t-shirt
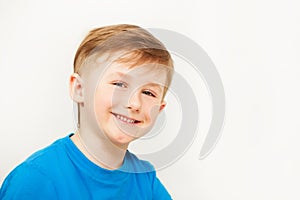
x,y
61,171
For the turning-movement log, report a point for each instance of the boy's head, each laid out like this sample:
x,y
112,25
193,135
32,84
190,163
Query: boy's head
x,y
121,72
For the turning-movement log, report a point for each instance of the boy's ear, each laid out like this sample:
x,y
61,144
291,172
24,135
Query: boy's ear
x,y
76,88
162,106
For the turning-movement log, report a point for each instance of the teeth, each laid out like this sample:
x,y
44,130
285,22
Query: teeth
x,y
125,119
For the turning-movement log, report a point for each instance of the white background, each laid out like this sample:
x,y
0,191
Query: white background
x,y
254,45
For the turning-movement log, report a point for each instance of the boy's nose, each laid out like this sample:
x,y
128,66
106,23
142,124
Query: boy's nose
x,y
134,102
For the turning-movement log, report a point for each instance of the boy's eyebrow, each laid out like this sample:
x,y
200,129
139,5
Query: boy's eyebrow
x,y
158,86
120,74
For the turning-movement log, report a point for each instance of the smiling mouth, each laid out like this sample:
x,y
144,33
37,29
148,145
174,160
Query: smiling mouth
x,y
126,119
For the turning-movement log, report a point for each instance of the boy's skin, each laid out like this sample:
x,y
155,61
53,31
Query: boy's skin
x,y
105,92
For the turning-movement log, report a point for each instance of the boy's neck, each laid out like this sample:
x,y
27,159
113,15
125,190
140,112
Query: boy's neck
x,y
99,150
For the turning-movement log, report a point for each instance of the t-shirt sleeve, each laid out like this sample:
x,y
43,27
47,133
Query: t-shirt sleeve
x,y
27,182
159,190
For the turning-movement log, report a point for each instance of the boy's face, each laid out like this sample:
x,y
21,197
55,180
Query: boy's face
x,y
127,100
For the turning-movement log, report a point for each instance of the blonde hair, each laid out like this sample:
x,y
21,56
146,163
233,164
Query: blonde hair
x,y
138,44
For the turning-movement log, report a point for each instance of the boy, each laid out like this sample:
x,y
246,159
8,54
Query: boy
x,y
121,75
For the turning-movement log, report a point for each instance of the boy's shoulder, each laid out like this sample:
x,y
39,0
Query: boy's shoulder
x,y
134,164
47,154
43,162
33,174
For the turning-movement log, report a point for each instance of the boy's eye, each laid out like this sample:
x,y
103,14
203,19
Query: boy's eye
x,y
120,84
147,92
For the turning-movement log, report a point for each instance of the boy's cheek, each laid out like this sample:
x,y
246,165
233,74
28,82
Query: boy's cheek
x,y
101,106
153,113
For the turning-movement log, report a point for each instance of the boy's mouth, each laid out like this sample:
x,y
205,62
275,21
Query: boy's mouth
x,y
126,119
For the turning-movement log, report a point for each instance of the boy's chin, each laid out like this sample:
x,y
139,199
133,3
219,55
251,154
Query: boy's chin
x,y
134,132
122,140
